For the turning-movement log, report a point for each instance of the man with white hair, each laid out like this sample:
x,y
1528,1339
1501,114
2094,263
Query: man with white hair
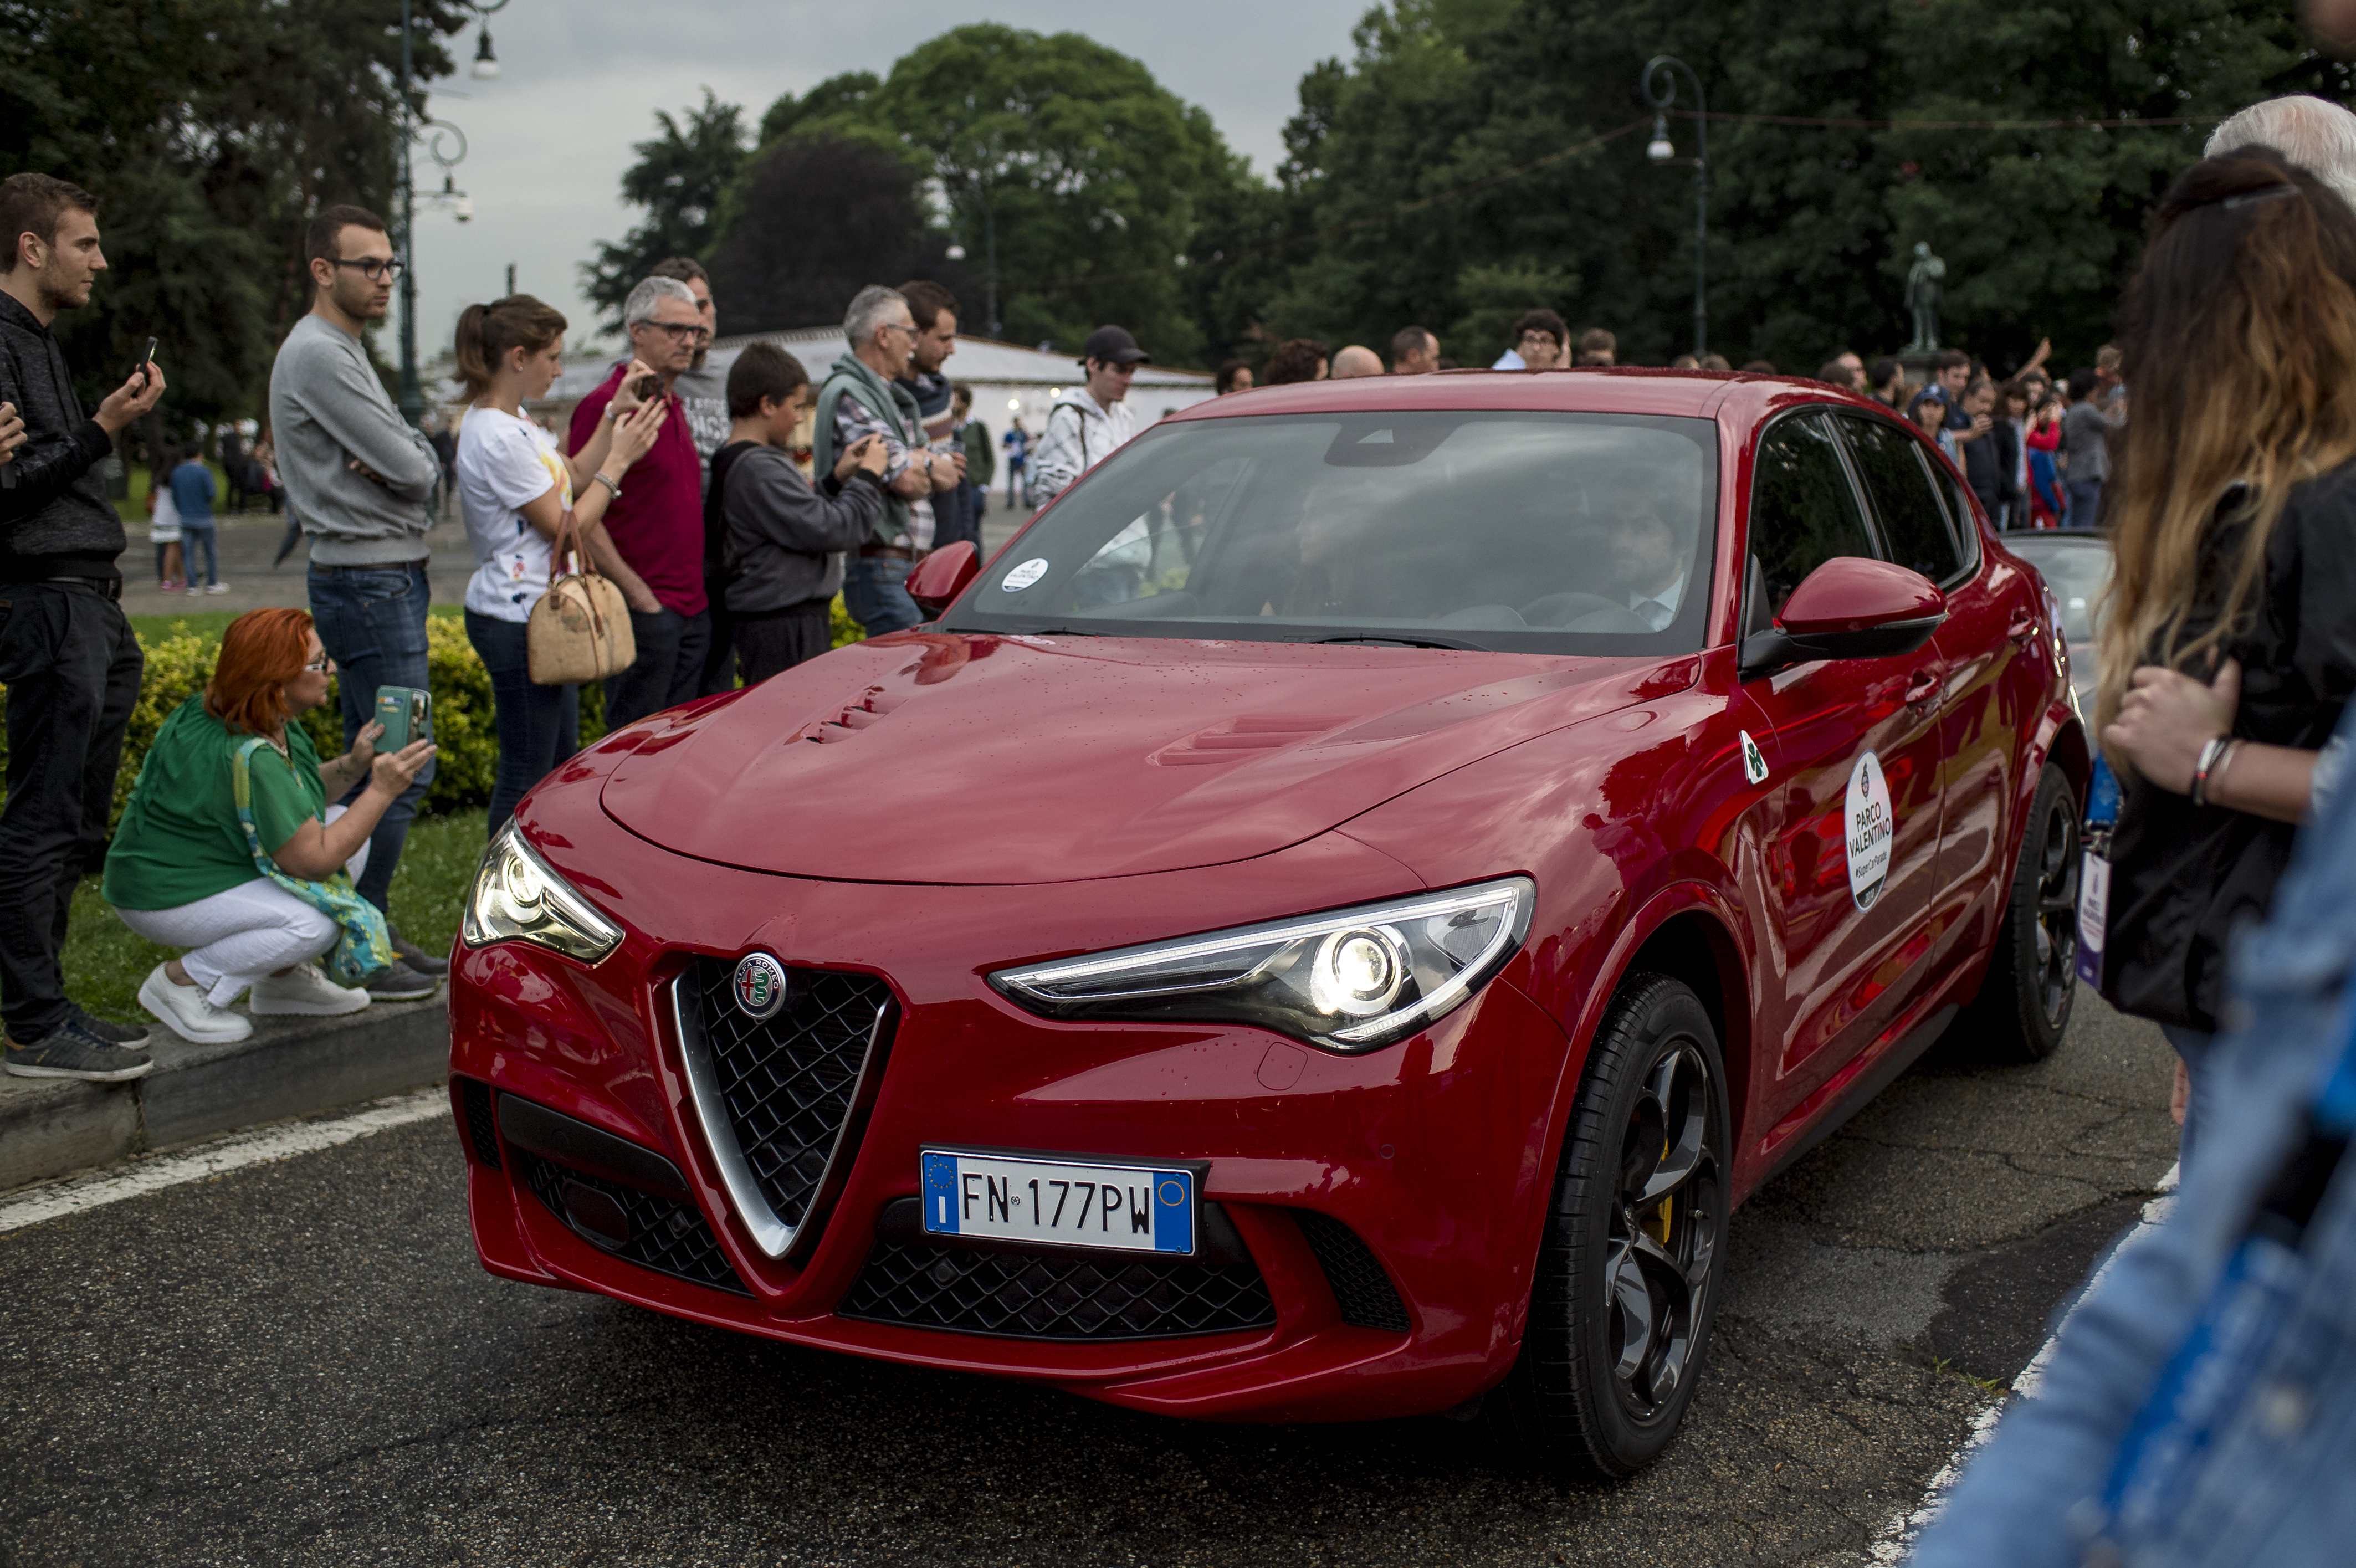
x,y
2313,132
865,395
653,547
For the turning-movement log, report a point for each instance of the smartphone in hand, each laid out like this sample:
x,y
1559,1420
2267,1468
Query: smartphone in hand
x,y
407,714
140,370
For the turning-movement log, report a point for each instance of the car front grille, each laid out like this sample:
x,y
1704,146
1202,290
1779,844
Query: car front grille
x,y
665,1236
789,1083
1055,1295
1362,1287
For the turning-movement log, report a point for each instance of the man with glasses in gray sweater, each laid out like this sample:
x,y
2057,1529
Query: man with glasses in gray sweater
x,y
360,478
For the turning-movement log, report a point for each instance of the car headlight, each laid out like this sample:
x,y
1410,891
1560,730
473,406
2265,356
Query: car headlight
x,y
517,898
1351,980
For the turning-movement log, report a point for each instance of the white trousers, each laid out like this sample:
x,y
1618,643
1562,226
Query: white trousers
x,y
236,937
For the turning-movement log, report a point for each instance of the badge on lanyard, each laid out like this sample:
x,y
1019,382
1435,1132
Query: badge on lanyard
x,y
2095,873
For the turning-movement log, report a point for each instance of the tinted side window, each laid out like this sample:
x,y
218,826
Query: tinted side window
x,y
1803,513
1968,531
1914,523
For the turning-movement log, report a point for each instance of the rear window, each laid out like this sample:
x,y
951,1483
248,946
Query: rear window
x,y
1913,524
1517,531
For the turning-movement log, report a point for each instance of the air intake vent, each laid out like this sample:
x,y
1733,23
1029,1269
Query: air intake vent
x,y
1361,1287
653,1233
1055,1295
482,1128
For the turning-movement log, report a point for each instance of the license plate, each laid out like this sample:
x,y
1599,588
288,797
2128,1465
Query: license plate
x,y
1124,1208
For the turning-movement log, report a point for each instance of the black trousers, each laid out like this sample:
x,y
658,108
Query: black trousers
x,y
669,668
72,668
768,640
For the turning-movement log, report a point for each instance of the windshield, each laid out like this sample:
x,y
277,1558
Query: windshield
x,y
1521,532
2077,570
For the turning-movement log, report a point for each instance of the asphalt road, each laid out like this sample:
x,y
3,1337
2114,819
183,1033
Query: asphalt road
x,y
300,1362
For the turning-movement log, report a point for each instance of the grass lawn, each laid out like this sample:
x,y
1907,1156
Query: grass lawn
x,y
104,963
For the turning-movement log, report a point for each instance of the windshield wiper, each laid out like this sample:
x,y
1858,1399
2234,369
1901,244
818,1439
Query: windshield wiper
x,y
1456,643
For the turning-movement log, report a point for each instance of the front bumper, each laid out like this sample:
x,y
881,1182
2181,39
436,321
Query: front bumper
x,y
1386,1207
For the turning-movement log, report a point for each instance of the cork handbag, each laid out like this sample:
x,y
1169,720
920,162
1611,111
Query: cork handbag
x,y
580,629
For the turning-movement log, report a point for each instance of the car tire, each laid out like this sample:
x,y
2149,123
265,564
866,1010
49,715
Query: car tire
x,y
1635,1248
2023,1006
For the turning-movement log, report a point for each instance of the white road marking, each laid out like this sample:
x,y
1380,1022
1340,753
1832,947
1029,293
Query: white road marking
x,y
1904,1528
205,1160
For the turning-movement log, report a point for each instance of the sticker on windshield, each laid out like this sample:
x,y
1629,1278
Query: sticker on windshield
x,y
1870,829
1754,760
1024,575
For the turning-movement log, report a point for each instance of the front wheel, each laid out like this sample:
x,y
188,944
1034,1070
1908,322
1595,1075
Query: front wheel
x,y
1629,1270
2023,1006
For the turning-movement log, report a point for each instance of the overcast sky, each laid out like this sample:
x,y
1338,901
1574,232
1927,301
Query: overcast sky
x,y
581,80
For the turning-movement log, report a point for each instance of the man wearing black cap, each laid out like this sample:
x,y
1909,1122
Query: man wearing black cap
x,y
1088,421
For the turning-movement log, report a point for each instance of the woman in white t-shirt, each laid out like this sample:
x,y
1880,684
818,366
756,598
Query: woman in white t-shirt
x,y
514,488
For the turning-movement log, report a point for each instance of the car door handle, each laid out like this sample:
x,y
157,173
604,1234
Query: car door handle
x,y
1922,687
2023,628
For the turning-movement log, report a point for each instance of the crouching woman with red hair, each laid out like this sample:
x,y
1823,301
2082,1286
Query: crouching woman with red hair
x,y
226,848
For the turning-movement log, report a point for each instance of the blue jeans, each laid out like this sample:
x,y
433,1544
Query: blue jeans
x,y
2253,1467
2086,504
875,592
191,535
539,726
371,620
669,668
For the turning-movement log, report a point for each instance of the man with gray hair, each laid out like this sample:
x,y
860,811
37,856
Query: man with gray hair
x,y
865,395
2313,132
653,547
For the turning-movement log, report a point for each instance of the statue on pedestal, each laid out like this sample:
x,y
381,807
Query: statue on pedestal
x,y
1923,295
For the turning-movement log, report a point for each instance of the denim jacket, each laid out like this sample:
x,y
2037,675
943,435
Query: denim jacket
x,y
2275,1481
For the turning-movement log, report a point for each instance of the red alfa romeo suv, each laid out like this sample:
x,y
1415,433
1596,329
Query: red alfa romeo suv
x,y
1328,925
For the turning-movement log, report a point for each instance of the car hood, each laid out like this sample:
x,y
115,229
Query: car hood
x,y
932,757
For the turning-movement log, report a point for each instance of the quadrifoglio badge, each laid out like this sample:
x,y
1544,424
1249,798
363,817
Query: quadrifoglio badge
x,y
1869,827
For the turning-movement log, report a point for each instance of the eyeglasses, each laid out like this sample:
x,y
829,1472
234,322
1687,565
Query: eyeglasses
x,y
323,665
907,327
375,269
679,332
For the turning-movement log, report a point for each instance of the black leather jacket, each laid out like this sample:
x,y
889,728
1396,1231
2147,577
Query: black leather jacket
x,y
54,519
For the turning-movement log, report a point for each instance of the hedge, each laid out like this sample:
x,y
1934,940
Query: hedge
x,y
469,758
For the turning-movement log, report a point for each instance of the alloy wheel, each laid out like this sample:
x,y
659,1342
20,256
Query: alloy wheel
x,y
2057,909
1665,1232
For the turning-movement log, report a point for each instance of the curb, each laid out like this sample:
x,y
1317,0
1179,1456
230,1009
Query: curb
x,y
288,1067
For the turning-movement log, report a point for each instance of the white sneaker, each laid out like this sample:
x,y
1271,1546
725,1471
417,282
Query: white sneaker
x,y
216,587
306,991
186,1012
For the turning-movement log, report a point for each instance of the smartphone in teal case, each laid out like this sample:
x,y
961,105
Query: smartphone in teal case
x,y
407,714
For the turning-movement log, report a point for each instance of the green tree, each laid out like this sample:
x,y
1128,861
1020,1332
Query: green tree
x,y
211,130
1097,177
679,178
1472,152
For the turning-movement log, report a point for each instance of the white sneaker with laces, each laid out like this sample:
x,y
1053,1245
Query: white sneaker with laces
x,y
185,1011
306,991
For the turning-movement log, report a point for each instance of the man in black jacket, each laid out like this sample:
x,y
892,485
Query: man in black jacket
x,y
66,654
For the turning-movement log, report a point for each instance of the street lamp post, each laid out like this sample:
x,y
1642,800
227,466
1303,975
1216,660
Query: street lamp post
x,y
407,130
990,232
1661,150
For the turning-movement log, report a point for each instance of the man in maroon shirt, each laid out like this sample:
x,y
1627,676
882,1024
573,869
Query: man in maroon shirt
x,y
656,523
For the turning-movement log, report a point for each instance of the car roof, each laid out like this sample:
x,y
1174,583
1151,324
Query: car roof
x,y
1621,390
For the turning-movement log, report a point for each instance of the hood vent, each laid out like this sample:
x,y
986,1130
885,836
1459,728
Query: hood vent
x,y
1245,735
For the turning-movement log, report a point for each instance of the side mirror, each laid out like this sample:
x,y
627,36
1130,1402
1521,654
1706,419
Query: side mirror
x,y
1848,608
941,576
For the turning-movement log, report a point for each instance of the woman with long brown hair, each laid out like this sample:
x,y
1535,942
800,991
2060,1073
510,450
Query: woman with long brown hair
x,y
2230,644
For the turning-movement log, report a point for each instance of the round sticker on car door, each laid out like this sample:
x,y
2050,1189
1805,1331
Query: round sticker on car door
x,y
1870,829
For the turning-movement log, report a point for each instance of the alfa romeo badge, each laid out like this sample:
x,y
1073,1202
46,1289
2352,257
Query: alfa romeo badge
x,y
760,985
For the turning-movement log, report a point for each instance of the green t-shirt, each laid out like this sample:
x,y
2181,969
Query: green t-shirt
x,y
180,840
